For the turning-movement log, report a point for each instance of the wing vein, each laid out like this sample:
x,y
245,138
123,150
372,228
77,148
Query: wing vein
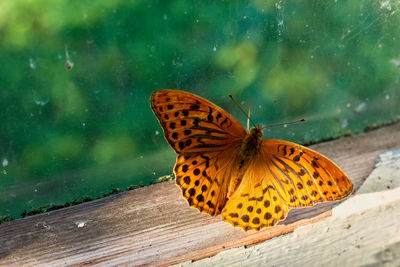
x,y
288,177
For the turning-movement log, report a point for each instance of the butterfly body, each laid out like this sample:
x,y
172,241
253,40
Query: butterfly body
x,y
250,148
222,169
251,144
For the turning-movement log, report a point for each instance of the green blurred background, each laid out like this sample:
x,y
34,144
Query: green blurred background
x,y
76,76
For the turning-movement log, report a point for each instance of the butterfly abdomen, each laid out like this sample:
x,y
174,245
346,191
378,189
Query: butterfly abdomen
x,y
251,145
249,149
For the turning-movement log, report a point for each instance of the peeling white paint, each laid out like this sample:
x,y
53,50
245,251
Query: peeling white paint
x,y
80,224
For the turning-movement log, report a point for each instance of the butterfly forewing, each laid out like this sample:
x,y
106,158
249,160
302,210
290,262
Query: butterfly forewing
x,y
305,176
192,124
207,139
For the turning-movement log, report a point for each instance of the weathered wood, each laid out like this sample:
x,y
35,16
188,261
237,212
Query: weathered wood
x,y
155,226
364,230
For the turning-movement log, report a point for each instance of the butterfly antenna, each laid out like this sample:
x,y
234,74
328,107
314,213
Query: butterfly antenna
x,y
244,112
285,123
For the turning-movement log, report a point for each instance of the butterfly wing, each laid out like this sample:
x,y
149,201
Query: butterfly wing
x,y
303,176
207,140
192,124
204,178
256,203
283,176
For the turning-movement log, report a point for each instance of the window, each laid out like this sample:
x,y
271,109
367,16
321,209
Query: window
x,y
76,79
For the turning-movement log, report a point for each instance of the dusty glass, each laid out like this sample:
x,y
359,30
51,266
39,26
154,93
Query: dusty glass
x,y
76,79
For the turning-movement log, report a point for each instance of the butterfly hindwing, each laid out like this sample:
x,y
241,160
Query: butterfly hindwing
x,y
256,203
192,124
204,178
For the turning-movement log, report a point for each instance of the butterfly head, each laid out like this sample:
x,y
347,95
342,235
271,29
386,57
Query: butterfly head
x,y
256,132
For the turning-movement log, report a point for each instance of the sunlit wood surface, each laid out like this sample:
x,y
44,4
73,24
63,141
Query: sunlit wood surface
x,y
154,225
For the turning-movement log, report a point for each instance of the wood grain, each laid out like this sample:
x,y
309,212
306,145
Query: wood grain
x,y
155,226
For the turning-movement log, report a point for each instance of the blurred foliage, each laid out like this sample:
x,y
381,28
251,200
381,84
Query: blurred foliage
x,y
76,78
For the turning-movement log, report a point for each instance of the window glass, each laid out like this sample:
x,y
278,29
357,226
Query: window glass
x,y
76,77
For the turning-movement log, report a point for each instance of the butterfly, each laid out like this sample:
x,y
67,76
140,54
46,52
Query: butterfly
x,y
222,169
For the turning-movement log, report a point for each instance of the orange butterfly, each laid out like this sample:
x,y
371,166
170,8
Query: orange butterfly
x,y
221,168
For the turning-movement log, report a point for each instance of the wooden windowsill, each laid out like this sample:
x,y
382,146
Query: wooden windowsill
x,y
154,225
